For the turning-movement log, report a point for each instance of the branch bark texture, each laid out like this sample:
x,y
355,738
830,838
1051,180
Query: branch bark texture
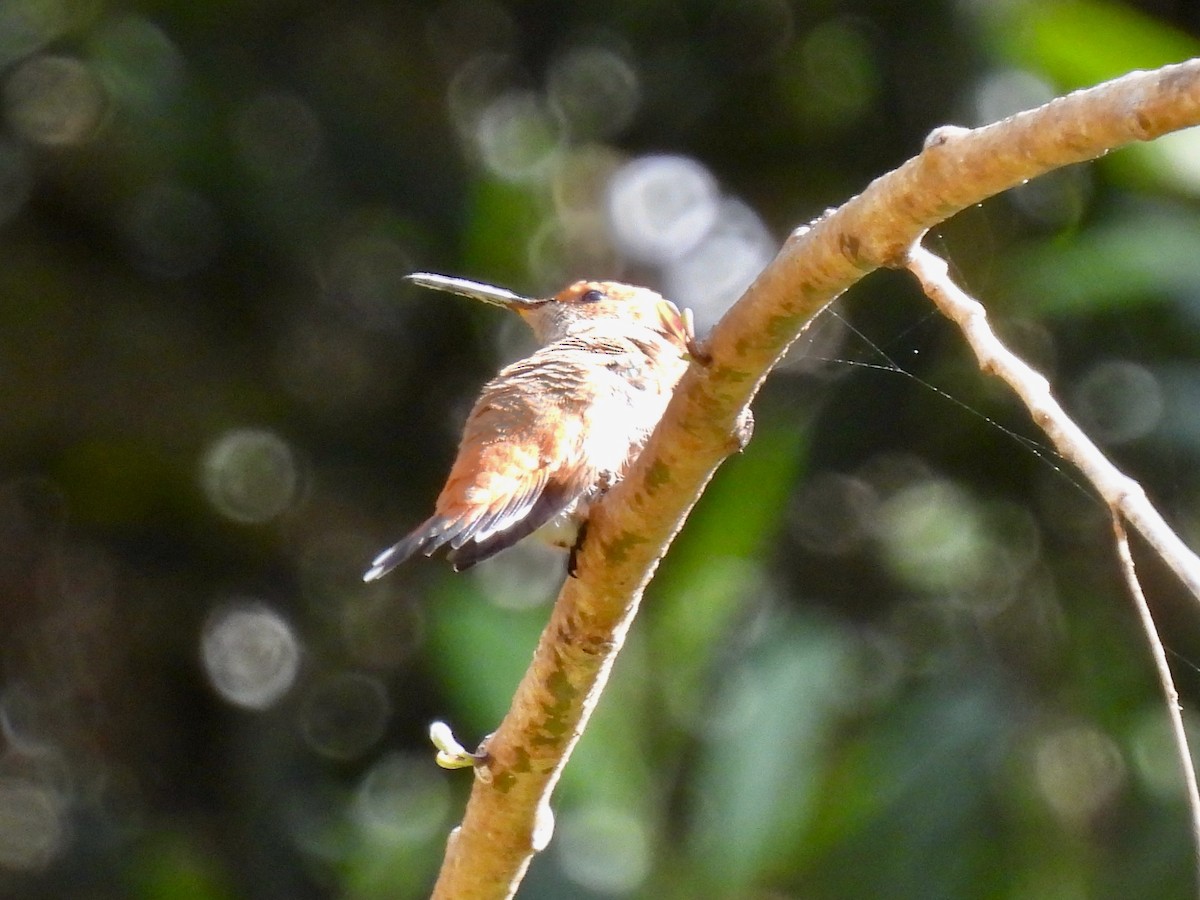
x,y
506,817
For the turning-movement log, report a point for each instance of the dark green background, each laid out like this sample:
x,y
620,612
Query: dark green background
x,y
890,655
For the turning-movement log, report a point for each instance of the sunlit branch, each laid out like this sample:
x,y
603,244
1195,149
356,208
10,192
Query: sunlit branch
x,y
1124,496
506,819
1120,492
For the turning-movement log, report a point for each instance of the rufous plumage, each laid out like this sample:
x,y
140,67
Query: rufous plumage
x,y
552,432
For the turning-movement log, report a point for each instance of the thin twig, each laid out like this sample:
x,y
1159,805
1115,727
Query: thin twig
x,y
1174,710
628,533
1124,496
1119,491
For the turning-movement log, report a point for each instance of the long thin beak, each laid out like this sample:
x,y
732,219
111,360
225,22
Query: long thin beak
x,y
476,290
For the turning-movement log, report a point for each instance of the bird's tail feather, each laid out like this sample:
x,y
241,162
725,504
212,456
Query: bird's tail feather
x,y
426,538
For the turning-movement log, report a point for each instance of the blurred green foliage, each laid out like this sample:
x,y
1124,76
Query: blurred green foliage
x,y
890,654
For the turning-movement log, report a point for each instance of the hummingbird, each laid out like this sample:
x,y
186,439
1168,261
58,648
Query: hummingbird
x,y
553,431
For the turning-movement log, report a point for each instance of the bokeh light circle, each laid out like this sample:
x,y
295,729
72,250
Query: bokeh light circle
x,y
139,64
832,513
1002,92
344,713
32,826
517,137
835,76
710,276
604,849
1079,770
660,207
1118,401
401,800
594,92
250,654
475,86
933,536
54,100
250,475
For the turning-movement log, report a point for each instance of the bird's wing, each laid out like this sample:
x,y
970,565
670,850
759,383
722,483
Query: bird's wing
x,y
552,501
520,464
513,474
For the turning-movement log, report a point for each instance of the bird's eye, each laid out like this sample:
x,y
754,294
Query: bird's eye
x,y
592,296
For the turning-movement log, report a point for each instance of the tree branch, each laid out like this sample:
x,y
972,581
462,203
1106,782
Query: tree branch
x,y
1170,694
505,820
1125,498
1123,495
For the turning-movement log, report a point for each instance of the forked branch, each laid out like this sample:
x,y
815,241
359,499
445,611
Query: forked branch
x,y
506,817
1122,494
1125,498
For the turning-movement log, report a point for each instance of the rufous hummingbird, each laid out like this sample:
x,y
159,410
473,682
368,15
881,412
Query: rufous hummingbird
x,y
553,431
